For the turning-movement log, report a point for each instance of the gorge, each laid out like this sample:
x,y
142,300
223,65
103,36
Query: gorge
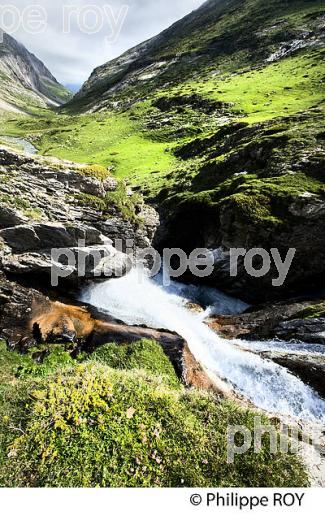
x,y
137,300
208,136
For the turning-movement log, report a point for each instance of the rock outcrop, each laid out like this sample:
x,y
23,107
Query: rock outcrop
x,y
300,321
56,220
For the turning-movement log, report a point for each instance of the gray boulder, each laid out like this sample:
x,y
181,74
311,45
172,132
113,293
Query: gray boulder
x,y
10,217
28,238
70,267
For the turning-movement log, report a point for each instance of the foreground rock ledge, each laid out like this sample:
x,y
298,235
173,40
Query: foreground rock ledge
x,y
28,317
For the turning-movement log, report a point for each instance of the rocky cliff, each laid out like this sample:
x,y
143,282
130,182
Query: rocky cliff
x,y
24,79
48,204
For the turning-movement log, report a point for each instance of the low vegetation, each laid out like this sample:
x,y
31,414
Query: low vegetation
x,y
111,140
271,90
312,312
119,417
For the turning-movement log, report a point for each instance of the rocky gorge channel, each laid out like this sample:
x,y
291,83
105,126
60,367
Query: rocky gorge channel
x,y
46,204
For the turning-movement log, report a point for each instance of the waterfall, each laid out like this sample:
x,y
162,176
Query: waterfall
x,y
138,300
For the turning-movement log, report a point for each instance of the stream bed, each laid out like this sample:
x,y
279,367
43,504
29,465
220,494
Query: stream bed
x,y
28,147
137,299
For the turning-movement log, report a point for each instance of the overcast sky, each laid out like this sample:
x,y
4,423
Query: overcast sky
x,y
71,57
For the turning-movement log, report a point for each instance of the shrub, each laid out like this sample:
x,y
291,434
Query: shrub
x,y
96,170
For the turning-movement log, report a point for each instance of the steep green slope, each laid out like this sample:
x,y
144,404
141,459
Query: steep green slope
x,y
220,38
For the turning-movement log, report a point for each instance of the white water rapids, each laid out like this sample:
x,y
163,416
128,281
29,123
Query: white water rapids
x,y
138,300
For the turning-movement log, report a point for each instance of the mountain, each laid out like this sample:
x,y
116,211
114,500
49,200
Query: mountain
x,y
24,79
234,94
221,37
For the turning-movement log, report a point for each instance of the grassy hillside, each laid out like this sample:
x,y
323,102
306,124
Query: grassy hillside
x,y
111,140
219,39
220,117
274,90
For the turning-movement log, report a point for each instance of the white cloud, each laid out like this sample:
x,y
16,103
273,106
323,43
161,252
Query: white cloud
x,y
72,57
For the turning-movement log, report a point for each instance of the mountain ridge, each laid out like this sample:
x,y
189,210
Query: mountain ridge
x,y
249,32
25,80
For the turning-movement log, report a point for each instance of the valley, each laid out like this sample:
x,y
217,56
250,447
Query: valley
x,y
209,135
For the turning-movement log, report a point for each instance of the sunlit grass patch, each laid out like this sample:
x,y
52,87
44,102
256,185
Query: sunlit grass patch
x,y
112,141
278,89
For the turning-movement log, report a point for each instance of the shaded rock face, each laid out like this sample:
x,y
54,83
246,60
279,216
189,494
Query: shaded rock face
x,y
24,77
48,206
196,226
309,330
289,321
10,217
254,188
15,309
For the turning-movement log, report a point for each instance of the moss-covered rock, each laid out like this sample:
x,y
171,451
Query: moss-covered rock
x,y
144,355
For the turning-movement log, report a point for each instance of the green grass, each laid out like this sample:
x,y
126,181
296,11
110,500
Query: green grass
x,y
113,141
144,355
260,169
277,89
69,423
